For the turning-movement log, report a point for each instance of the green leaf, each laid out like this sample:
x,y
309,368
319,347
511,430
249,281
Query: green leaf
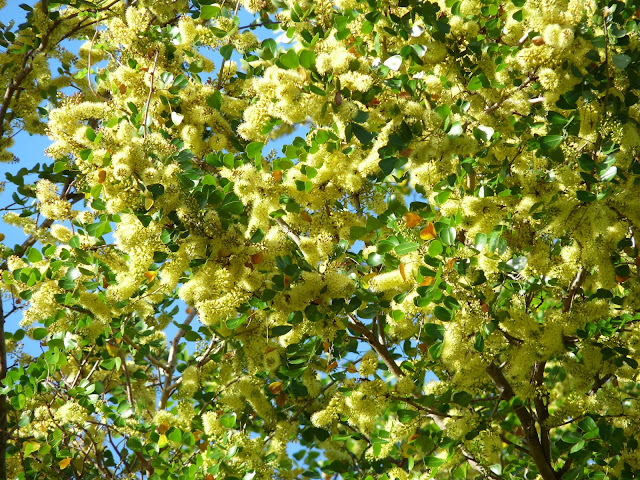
x,y
257,236
374,259
226,51
406,247
550,141
307,58
478,344
91,134
228,420
585,196
480,241
571,437
478,82
254,149
361,133
234,323
462,398
433,462
578,446
448,235
209,11
516,264
290,59
34,256
215,100
405,416
621,61
39,333
455,131
443,314
280,330
134,444
608,174
435,248
574,473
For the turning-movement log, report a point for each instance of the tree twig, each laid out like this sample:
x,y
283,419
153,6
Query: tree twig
x,y
146,108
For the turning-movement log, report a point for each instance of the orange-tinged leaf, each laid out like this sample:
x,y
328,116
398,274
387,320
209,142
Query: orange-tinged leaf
x,y
404,95
196,434
305,216
277,175
102,176
352,368
413,438
189,310
326,346
122,88
2,237
269,350
405,153
411,219
163,427
332,365
275,388
64,463
150,275
450,262
209,477
637,260
428,281
428,232
281,400
537,41
113,349
257,258
402,272
423,347
621,279
287,281
365,279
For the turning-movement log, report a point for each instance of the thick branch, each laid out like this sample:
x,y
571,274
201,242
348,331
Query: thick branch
x,y
382,351
542,412
528,423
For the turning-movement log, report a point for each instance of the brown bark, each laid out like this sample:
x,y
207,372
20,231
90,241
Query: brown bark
x,y
528,424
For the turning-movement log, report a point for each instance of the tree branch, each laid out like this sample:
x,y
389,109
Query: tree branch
x,y
173,360
528,423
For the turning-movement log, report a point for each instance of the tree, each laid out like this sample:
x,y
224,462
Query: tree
x,y
435,277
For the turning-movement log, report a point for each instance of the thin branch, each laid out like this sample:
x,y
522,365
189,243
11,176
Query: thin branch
x,y
173,360
287,229
492,108
577,282
146,108
89,61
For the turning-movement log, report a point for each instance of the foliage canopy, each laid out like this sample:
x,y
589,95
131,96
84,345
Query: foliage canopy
x,y
436,276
